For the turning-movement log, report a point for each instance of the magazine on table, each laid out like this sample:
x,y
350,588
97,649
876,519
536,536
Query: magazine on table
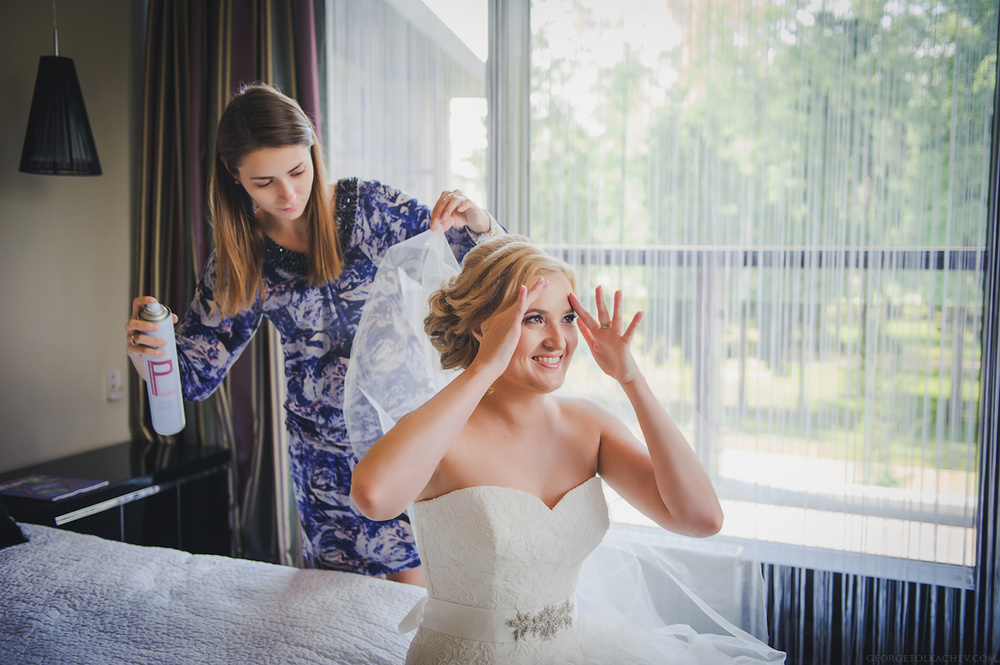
x,y
49,488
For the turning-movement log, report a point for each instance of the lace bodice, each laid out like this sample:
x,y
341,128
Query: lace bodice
x,y
502,549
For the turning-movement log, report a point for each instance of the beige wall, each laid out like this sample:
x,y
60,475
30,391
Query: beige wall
x,y
65,242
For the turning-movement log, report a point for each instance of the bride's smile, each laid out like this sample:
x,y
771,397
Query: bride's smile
x,y
549,361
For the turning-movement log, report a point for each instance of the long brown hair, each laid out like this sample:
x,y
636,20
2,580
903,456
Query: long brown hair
x,y
259,116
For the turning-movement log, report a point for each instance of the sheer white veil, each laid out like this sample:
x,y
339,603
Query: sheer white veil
x,y
394,369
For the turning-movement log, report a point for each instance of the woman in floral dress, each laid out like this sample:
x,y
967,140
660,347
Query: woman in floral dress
x,y
290,250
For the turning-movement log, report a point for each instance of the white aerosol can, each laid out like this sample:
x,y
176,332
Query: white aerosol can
x,y
163,379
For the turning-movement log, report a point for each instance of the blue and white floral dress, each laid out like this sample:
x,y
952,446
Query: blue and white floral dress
x,y
317,326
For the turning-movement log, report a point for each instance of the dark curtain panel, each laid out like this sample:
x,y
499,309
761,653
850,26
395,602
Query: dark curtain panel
x,y
198,52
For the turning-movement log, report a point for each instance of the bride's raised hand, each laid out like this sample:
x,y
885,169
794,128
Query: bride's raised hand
x,y
607,336
498,335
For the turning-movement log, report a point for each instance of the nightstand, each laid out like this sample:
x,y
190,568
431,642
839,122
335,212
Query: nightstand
x,y
161,494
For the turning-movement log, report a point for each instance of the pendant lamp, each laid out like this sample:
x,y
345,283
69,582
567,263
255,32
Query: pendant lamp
x,y
58,140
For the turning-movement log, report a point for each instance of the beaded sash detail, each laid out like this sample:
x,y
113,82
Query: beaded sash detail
x,y
544,623
484,625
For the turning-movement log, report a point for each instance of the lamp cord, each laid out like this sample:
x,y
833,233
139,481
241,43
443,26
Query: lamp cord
x,y
55,32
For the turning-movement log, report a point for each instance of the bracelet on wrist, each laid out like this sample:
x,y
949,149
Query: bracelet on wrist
x,y
494,230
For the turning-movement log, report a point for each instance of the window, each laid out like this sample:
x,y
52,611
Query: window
x,y
406,94
796,194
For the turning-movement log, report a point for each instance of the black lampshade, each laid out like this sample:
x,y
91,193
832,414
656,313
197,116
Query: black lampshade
x,y
58,140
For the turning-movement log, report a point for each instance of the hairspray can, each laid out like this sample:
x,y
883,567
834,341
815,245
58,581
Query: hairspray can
x,y
163,379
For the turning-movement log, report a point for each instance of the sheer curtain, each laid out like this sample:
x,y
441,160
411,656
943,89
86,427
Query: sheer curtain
x,y
797,194
405,99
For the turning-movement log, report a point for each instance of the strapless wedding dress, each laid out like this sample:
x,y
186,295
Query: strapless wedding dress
x,y
501,570
508,579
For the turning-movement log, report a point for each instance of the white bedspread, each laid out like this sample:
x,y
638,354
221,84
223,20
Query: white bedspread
x,y
70,598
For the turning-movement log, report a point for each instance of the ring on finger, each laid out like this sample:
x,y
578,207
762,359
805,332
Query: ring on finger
x,y
606,325
132,336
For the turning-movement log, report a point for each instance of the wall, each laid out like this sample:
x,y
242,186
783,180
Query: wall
x,y
65,242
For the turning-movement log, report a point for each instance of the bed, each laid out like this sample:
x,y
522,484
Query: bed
x,y
72,598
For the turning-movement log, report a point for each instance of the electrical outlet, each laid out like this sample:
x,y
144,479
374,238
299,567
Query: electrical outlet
x,y
114,387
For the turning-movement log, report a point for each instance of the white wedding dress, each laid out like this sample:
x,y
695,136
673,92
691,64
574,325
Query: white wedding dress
x,y
503,570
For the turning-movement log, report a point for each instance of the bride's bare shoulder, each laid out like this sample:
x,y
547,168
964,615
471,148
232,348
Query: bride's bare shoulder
x,y
583,409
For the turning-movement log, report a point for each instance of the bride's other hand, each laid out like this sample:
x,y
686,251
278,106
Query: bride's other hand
x,y
667,482
498,335
607,337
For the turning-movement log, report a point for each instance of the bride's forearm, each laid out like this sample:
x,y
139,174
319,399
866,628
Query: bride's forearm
x,y
400,464
683,484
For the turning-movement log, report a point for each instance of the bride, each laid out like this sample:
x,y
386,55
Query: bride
x,y
505,477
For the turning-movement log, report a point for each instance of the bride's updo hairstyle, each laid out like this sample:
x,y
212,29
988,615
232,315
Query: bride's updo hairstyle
x,y
490,280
